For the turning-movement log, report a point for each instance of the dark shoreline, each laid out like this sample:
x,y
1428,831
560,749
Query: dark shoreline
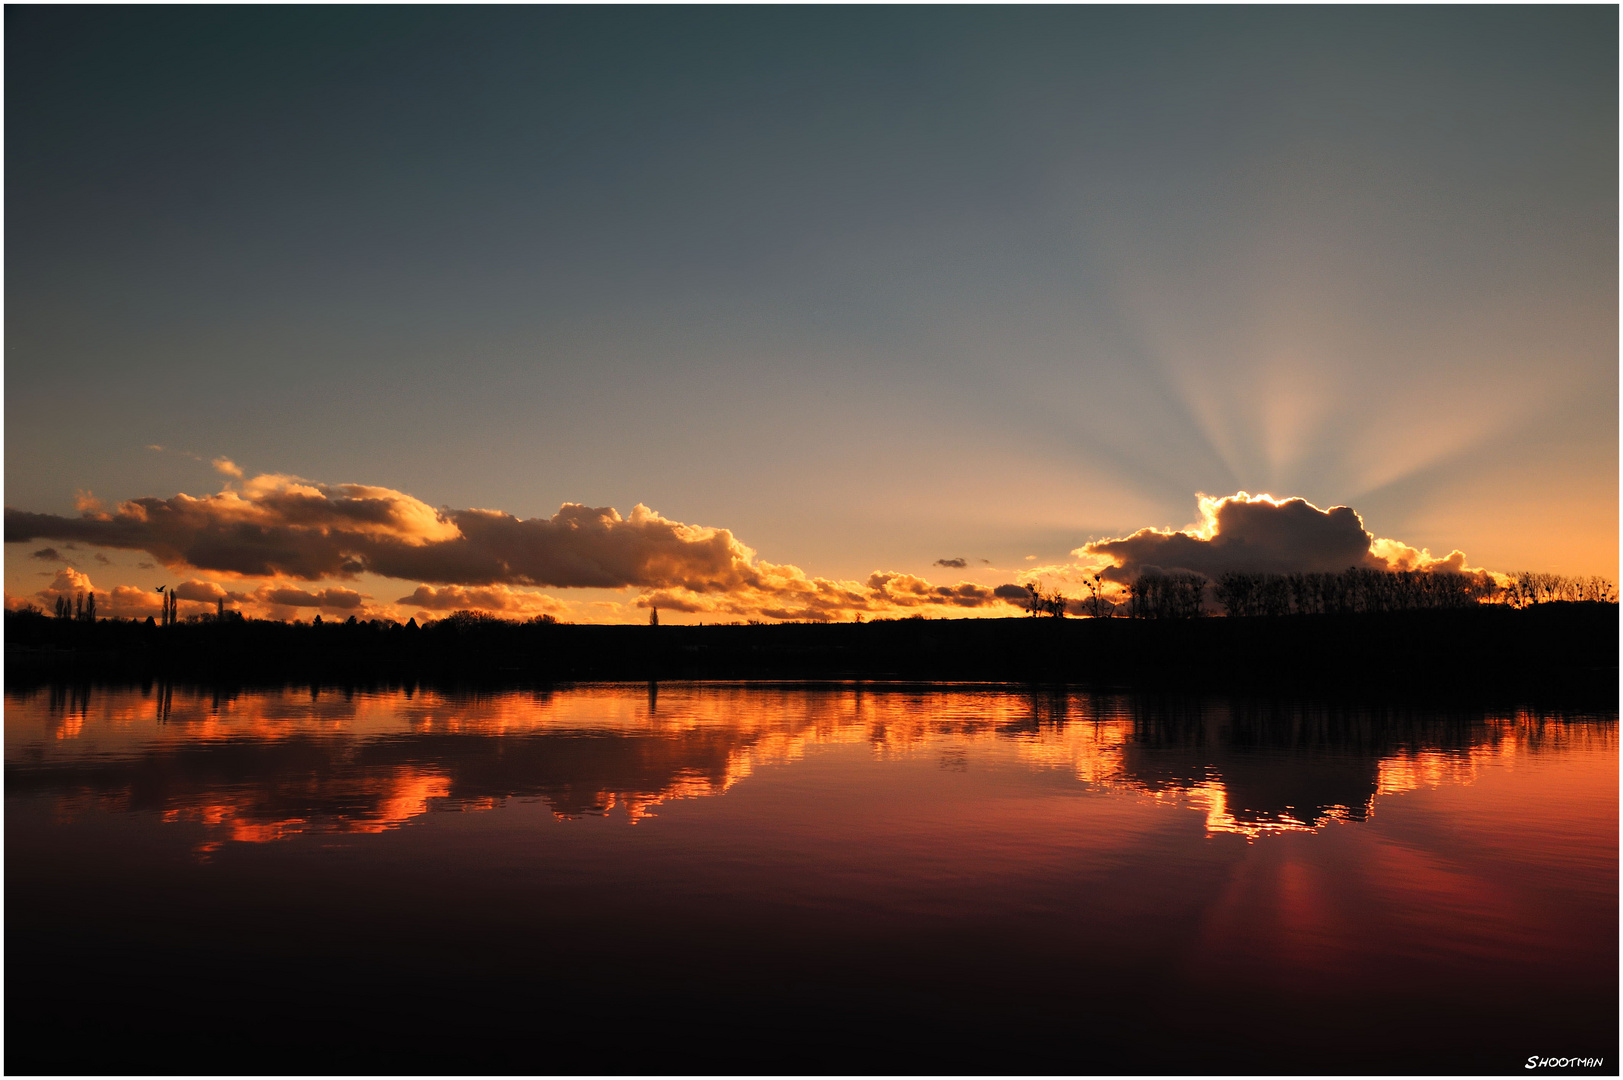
x,y
1560,655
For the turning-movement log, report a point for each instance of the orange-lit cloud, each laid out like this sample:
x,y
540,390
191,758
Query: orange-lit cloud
x,y
1262,534
786,592
497,599
289,533
123,601
276,526
284,526
199,597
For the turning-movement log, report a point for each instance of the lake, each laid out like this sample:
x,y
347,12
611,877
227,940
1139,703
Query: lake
x,y
710,878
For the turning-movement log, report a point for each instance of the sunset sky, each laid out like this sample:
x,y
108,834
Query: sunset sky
x,y
841,296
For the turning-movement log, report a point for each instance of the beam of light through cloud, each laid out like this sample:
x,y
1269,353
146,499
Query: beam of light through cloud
x,y
991,280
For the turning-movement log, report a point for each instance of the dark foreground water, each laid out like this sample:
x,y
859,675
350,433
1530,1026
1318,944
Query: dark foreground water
x,y
713,878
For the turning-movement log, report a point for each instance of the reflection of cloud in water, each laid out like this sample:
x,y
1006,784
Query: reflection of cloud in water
x,y
255,768
374,804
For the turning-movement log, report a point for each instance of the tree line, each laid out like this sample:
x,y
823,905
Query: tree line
x,y
1158,595
1185,595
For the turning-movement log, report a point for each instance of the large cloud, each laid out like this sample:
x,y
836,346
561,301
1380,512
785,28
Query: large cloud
x,y
284,527
1261,534
289,532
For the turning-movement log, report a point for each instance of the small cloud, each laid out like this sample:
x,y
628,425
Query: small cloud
x,y
986,562
1030,558
333,598
104,560
952,564
49,554
205,591
86,503
493,598
226,467
146,566
161,449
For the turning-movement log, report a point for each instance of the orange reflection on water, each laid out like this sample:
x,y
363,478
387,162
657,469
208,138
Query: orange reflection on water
x,y
260,767
1212,798
376,804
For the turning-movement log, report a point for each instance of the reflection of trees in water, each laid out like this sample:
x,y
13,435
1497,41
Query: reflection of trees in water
x,y
1258,767
259,767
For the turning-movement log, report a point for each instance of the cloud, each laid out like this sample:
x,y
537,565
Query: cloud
x,y
1262,534
205,591
123,601
336,599
49,554
296,537
284,526
68,582
785,592
276,526
905,590
200,597
226,467
129,602
496,599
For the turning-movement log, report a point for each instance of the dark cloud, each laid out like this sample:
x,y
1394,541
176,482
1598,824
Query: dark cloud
x,y
952,564
905,590
1260,534
284,527
49,554
342,599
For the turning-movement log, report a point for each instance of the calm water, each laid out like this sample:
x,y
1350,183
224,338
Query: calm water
x,y
712,878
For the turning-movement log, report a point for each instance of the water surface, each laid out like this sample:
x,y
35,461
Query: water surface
x,y
704,878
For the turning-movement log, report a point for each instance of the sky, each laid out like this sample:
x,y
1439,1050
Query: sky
x,y
832,293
